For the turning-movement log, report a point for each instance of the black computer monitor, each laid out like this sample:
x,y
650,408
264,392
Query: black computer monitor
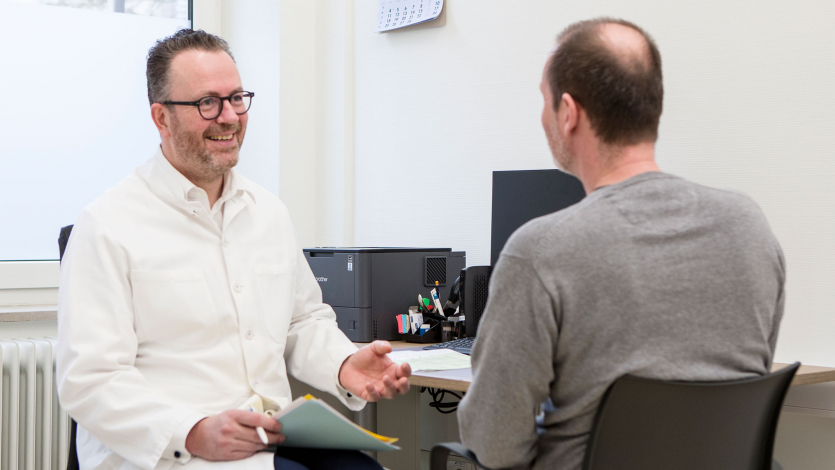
x,y
519,196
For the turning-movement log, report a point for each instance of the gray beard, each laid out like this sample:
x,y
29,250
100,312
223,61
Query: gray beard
x,y
202,166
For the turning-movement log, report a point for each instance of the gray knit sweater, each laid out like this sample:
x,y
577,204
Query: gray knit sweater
x,y
654,276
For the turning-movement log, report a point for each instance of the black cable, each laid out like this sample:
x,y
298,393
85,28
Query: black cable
x,y
438,396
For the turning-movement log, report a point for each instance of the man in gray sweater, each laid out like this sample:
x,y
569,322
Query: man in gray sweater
x,y
649,275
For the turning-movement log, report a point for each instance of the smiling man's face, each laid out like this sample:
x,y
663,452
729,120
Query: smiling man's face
x,y
204,150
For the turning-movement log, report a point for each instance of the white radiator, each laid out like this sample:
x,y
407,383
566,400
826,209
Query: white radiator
x,y
35,432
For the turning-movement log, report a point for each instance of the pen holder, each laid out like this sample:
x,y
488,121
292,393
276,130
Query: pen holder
x,y
447,331
431,336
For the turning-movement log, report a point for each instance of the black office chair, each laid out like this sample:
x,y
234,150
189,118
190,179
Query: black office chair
x,y
646,424
72,460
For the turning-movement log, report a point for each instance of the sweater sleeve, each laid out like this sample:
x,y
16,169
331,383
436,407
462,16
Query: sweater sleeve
x,y
512,367
779,307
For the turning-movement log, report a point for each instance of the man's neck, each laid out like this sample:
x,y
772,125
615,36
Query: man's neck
x,y
611,166
212,187
213,190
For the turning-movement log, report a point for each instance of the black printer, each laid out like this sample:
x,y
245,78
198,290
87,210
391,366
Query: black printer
x,y
369,287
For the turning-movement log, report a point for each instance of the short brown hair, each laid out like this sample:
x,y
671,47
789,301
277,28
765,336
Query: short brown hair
x,y
623,99
164,51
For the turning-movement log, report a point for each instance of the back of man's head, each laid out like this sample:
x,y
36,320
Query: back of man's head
x,y
612,69
164,51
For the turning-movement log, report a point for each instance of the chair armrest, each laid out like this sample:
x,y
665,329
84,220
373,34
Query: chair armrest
x,y
440,452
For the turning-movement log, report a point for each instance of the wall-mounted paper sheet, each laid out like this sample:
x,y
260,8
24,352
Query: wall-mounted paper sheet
x,y
395,14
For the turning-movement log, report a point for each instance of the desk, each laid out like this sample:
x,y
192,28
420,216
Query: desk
x,y
456,380
808,375
403,418
459,380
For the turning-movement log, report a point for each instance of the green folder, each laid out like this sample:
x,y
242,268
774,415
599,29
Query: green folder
x,y
311,423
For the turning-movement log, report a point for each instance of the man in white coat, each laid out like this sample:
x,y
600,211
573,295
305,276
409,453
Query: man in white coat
x,y
184,292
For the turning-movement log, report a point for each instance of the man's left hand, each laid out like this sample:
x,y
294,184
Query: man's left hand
x,y
370,374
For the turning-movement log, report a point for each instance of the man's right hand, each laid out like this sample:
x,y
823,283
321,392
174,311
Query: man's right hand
x,y
231,435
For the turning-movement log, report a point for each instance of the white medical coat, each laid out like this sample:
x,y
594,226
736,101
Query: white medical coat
x,y
165,318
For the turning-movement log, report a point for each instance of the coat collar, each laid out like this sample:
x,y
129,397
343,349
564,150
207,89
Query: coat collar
x,y
165,181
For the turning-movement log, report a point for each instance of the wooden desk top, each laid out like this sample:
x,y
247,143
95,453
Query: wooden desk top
x,y
807,375
459,380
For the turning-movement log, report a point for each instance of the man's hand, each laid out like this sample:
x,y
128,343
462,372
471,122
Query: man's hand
x,y
370,374
231,435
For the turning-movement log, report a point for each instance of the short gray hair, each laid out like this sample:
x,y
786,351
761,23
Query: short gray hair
x,y
164,51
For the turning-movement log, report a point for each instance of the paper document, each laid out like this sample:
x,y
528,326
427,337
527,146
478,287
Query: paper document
x,y
312,423
437,359
395,14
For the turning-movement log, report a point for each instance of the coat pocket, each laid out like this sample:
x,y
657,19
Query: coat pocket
x,y
277,295
174,308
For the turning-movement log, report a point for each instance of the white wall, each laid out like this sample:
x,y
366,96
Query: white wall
x,y
258,58
334,123
437,111
748,106
304,114
255,44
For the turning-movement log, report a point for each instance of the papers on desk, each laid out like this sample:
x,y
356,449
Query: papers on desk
x,y
438,359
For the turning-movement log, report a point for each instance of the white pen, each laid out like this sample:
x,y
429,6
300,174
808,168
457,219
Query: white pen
x,y
260,430
262,434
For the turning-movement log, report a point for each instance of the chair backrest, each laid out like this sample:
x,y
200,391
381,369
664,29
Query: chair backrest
x,y
72,460
63,238
651,424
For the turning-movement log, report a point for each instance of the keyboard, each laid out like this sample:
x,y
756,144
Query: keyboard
x,y
463,345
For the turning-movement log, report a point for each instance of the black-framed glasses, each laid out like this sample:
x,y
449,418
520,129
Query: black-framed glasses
x,y
210,107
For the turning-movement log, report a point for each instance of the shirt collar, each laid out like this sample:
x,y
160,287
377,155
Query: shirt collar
x,y
163,178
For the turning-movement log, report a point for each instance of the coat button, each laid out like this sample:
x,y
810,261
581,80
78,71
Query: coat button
x,y
176,454
249,334
238,288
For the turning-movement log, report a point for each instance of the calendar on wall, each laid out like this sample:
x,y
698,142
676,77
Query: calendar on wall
x,y
395,14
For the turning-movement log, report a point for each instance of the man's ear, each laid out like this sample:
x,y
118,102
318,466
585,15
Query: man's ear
x,y
568,114
161,115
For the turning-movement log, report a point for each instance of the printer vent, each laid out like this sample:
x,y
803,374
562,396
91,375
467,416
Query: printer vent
x,y
435,270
